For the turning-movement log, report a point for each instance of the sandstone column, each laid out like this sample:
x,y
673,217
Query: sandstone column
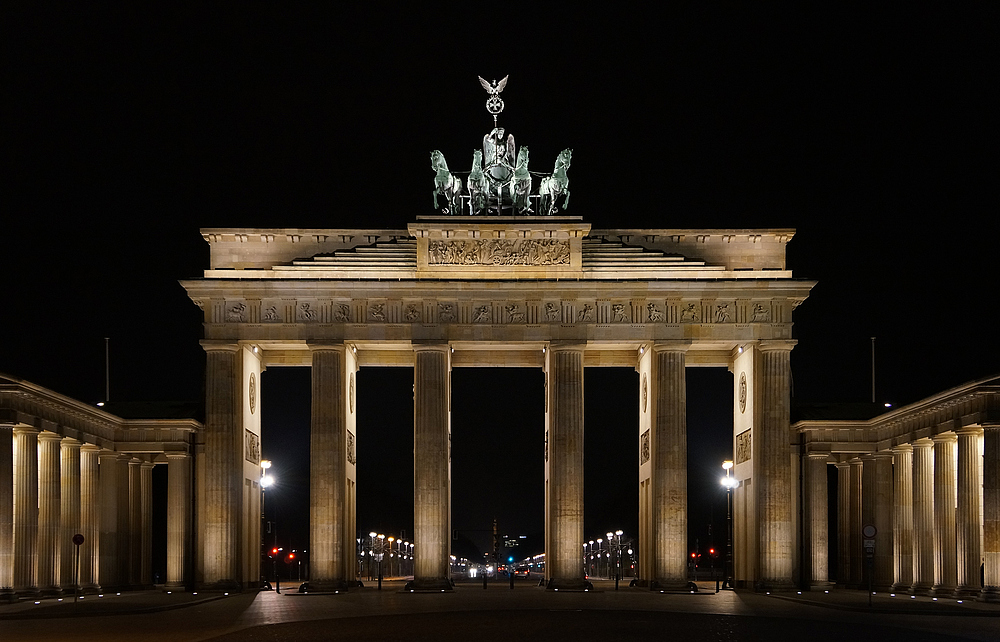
x,y
854,536
882,516
178,519
945,559
26,510
669,472
772,472
124,526
146,524
432,466
7,513
902,517
69,512
328,471
49,507
843,523
135,522
223,486
90,517
108,540
991,513
923,517
816,519
968,515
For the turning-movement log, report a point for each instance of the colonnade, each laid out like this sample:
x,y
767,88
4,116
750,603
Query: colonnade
x,y
935,504
53,487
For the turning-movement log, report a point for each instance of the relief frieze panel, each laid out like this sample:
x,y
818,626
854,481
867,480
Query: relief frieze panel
x,y
534,252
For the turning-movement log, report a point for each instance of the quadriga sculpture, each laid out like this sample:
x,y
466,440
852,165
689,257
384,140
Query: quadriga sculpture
x,y
520,184
552,187
445,183
479,187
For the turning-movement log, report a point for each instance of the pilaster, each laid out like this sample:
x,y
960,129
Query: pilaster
x,y
923,517
432,466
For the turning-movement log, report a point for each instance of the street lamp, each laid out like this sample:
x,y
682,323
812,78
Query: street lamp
x,y
730,483
265,481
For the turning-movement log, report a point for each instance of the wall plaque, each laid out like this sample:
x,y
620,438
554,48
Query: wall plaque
x,y
743,447
252,447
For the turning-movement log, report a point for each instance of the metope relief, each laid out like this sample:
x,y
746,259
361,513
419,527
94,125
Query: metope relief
x,y
446,312
760,314
412,314
342,313
586,314
653,313
376,312
690,313
271,314
482,314
514,313
552,313
499,252
306,312
236,313
722,313
620,313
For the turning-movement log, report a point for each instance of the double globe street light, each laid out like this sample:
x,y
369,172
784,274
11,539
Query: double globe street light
x,y
730,483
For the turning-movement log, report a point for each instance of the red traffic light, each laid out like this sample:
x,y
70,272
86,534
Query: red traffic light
x,y
274,551
711,551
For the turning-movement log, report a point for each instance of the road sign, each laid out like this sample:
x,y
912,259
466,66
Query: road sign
x,y
869,531
78,539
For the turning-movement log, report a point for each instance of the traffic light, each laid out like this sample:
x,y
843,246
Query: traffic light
x,y
711,552
274,552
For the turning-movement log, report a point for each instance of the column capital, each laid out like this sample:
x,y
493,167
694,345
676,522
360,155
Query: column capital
x,y
435,346
945,438
216,345
71,442
85,447
777,345
818,455
147,464
176,455
969,430
924,442
671,346
24,429
842,464
566,346
902,448
45,435
335,346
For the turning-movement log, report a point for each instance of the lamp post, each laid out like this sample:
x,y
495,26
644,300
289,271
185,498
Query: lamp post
x,y
729,482
265,481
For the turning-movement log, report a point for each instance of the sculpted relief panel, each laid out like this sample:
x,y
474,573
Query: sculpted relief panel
x,y
499,252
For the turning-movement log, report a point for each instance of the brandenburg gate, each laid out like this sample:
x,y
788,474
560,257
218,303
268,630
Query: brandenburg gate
x,y
460,290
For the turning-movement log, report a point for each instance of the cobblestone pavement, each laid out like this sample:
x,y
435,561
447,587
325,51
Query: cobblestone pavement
x,y
526,613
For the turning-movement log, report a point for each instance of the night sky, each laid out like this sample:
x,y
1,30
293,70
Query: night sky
x,y
869,130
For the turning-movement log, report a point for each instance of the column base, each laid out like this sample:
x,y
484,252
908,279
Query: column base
x,y
570,584
905,588
92,589
816,585
943,591
7,596
51,591
920,589
429,585
966,592
990,594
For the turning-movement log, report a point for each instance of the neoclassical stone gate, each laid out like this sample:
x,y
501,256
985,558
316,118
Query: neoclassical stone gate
x,y
544,292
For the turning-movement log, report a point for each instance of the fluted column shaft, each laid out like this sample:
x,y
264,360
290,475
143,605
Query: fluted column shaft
x,y
90,517
923,516
135,522
855,539
772,473
328,470
124,525
991,513
902,517
146,524
669,465
70,511
967,513
223,484
49,507
843,523
7,513
431,466
945,558
817,527
108,504
178,518
26,510
882,515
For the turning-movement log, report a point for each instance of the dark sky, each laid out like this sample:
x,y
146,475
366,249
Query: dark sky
x,y
868,129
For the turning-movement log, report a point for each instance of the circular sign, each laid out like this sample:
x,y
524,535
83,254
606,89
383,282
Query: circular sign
x,y
743,392
869,531
78,539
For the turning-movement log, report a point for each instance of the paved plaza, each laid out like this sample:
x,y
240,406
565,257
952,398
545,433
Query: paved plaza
x,y
526,613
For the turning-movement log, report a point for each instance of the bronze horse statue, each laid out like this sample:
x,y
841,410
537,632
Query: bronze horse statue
x,y
554,186
520,183
445,183
479,187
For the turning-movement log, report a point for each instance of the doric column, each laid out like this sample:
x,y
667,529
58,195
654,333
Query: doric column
x,y
90,517
25,510
923,517
854,535
107,547
843,523
882,515
329,569
49,508
146,524
773,477
7,513
69,512
669,472
178,519
902,517
816,519
223,485
991,513
135,522
945,558
123,529
967,514
431,466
